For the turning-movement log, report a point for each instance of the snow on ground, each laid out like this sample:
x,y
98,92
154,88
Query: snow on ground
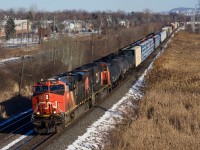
x,y
16,42
97,134
17,140
19,41
8,59
21,137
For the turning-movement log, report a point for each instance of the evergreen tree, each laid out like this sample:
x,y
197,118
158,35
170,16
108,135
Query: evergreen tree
x,y
30,15
10,28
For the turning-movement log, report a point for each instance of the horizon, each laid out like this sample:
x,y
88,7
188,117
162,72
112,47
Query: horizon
x,y
91,6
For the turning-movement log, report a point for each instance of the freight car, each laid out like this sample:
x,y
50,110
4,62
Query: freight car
x,y
58,101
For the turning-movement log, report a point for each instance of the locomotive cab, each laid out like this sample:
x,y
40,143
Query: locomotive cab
x,y
48,105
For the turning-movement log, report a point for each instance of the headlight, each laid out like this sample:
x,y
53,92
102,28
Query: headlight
x,y
37,112
47,97
54,112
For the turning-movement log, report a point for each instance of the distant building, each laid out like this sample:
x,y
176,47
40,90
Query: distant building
x,y
24,25
124,23
72,25
20,25
90,27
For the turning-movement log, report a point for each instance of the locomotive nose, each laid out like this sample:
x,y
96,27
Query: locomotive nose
x,y
45,105
44,97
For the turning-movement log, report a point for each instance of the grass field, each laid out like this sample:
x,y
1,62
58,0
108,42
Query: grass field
x,y
169,113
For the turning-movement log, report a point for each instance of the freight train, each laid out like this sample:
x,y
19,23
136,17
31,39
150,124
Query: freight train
x,y
58,101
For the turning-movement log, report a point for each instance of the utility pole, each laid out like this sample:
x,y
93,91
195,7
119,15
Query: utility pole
x,y
28,24
106,42
21,75
54,58
27,41
22,33
92,47
100,26
54,43
41,30
54,27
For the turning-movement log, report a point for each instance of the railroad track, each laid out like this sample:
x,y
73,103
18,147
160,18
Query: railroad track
x,y
15,125
41,141
79,128
14,128
33,141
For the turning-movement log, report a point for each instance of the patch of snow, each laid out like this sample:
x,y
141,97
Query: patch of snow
x,y
16,42
96,135
19,40
17,140
8,59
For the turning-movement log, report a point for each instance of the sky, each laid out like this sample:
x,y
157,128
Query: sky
x,y
102,5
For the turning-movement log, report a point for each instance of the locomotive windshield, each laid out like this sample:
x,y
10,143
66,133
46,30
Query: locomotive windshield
x,y
41,89
57,89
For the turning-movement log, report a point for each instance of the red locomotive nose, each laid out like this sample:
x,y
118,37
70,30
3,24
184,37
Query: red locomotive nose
x,y
43,97
45,105
45,108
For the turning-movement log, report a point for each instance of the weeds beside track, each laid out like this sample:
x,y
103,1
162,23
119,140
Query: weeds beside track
x,y
169,113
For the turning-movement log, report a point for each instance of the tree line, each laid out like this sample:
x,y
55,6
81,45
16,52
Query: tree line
x,y
100,19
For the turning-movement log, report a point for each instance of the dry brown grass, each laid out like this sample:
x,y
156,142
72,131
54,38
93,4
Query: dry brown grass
x,y
16,52
169,113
